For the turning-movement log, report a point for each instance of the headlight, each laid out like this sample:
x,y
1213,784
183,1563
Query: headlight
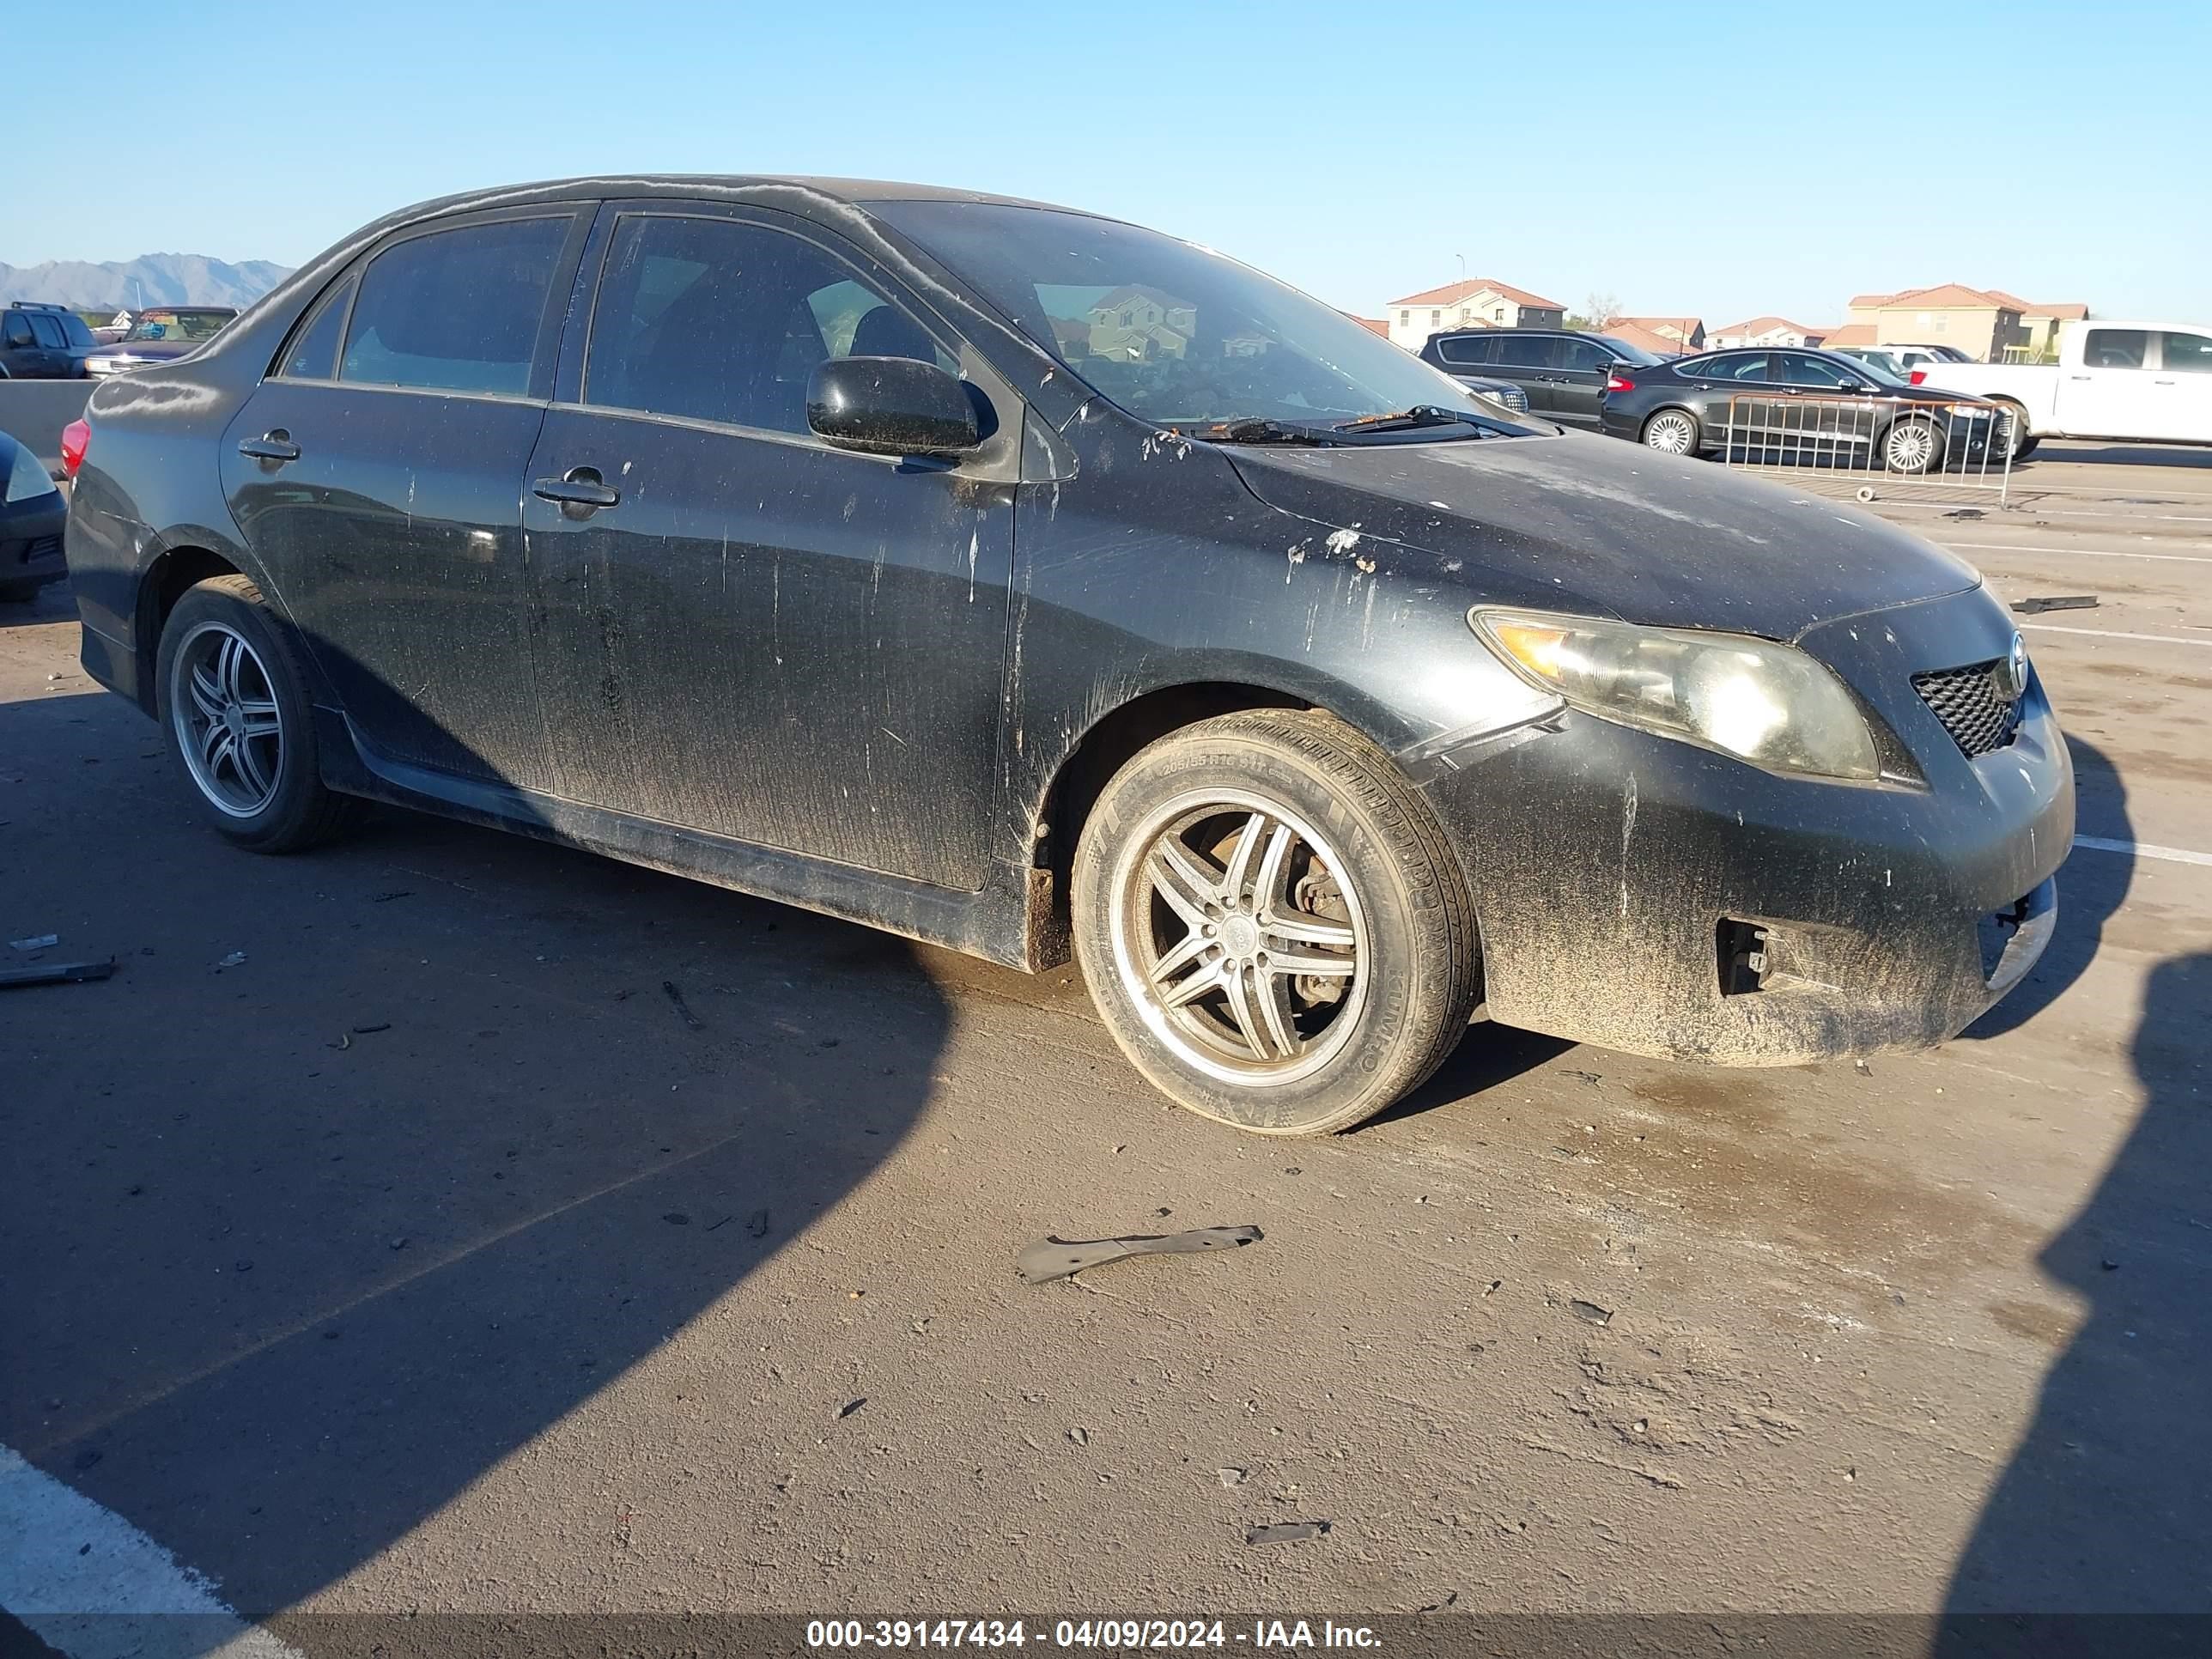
x,y
1767,703
26,476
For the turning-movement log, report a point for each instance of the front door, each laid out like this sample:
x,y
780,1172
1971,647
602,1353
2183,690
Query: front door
x,y
1578,390
378,477
2109,393
757,634
2184,381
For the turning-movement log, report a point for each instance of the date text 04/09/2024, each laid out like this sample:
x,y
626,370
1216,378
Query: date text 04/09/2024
x,y
1167,1634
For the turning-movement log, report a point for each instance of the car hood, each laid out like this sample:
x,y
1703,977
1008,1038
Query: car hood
x,y
1596,525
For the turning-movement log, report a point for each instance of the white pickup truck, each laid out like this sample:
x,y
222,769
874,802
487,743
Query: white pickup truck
x,y
2142,382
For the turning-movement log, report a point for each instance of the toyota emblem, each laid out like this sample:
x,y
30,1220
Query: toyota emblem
x,y
2010,675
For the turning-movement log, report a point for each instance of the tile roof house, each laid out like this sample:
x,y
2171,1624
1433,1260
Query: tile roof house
x,y
1670,336
1767,332
1477,303
1988,324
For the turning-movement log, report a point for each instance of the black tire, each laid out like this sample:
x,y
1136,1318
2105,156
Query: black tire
x,y
1389,883
1907,456
2023,441
298,811
1661,421
20,593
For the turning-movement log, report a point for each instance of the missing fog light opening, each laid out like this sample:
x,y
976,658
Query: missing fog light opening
x,y
1742,950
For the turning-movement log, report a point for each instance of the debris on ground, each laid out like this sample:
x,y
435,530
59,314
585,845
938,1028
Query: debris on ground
x,y
1966,512
1287,1532
1232,1477
1451,1597
2036,607
677,1219
756,1223
682,1007
371,1029
235,959
1061,1258
852,1405
1080,1436
1590,1312
41,942
55,973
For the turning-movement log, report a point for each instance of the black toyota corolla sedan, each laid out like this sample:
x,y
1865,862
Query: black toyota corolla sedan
x,y
1803,407
1024,580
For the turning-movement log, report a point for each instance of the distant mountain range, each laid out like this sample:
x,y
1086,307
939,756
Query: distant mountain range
x,y
174,279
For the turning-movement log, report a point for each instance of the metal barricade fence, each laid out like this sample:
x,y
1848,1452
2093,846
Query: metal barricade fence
x,y
1875,448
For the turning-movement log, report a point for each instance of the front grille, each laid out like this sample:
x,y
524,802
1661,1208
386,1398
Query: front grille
x,y
1965,700
39,547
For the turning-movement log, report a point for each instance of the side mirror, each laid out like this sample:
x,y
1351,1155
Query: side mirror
x,y
891,406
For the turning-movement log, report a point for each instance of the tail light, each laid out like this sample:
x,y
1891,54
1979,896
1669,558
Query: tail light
x,y
1619,383
76,437
1919,377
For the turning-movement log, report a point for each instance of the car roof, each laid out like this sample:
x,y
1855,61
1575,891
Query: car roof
x,y
859,192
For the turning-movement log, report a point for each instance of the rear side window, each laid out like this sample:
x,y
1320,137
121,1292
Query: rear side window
x,y
2190,353
75,331
47,330
1797,369
1736,366
456,310
313,352
711,320
2116,348
1527,352
1467,350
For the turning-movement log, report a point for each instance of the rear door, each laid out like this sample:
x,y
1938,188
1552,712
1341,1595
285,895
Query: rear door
x,y
1736,396
1578,390
2184,380
2109,393
1529,361
1819,411
378,474
762,636
46,330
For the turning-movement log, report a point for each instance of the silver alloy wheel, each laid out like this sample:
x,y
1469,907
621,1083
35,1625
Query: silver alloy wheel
x,y
1238,937
1670,433
1910,448
222,707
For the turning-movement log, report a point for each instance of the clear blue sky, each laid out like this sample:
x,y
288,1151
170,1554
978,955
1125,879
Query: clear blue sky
x,y
1719,160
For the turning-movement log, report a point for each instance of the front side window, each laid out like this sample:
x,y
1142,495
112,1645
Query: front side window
x,y
2190,353
455,310
1587,357
2116,348
716,320
1230,343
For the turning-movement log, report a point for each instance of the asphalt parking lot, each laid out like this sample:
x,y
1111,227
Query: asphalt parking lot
x,y
381,1237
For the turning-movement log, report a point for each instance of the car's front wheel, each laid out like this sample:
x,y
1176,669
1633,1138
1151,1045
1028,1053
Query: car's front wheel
x,y
235,707
1912,447
1272,923
1672,432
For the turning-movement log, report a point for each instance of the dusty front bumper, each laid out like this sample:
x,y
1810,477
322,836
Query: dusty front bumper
x,y
1649,896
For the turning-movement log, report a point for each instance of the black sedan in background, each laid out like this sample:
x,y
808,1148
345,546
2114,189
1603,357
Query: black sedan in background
x,y
1798,406
1025,582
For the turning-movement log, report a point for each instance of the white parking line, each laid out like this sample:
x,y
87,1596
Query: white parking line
x,y
2082,552
96,1587
2112,634
2138,849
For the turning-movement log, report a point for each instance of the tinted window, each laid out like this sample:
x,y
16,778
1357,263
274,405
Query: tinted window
x,y
15,331
2116,348
46,330
1585,354
1472,350
721,321
75,331
1734,366
457,310
314,349
1798,369
1527,352
2190,353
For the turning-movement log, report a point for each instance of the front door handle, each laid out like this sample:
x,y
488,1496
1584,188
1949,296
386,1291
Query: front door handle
x,y
579,492
274,444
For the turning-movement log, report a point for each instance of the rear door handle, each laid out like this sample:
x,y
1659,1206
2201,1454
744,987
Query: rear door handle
x,y
274,444
580,491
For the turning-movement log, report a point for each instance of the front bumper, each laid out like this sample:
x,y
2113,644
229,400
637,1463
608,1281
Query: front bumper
x,y
1649,896
31,539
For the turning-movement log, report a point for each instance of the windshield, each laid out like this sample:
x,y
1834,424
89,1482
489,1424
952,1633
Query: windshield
x,y
178,325
1878,366
1171,333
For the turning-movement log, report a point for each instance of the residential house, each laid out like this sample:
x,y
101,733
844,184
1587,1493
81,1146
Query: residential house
x,y
1985,326
1668,337
1479,302
2040,323
1374,325
1141,324
1767,332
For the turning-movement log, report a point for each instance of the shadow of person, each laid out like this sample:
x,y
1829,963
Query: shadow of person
x,y
2106,1505
373,1164
2091,885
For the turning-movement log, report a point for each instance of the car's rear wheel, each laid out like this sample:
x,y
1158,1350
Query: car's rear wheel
x,y
235,704
1272,924
1912,446
1672,432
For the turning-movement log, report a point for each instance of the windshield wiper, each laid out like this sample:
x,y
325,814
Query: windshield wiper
x,y
1420,414
1258,429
